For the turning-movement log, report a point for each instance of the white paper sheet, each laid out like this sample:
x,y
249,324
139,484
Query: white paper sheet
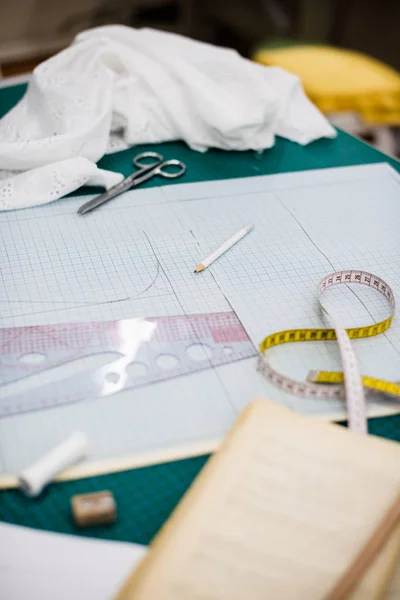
x,y
45,566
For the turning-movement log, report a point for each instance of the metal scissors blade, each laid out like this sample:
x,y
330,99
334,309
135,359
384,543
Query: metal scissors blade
x,y
127,183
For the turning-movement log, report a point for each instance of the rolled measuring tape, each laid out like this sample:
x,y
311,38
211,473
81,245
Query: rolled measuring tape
x,y
329,385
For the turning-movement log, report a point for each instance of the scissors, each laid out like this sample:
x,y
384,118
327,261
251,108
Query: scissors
x,y
146,170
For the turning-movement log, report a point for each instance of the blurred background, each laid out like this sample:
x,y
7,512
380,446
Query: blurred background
x,y
303,36
34,28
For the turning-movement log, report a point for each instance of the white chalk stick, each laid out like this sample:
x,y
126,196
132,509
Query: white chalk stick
x,y
33,479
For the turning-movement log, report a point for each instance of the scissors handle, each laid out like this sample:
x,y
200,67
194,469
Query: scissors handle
x,y
162,171
142,160
173,162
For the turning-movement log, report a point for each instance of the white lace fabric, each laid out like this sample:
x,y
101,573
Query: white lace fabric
x,y
115,87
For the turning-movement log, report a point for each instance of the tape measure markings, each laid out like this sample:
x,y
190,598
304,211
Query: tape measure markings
x,y
329,388
379,385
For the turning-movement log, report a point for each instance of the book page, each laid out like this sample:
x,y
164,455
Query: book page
x,y
279,512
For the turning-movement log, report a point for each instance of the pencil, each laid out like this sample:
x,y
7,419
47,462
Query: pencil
x,y
226,246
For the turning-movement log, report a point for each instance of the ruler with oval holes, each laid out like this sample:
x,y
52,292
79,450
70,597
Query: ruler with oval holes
x,y
327,385
180,345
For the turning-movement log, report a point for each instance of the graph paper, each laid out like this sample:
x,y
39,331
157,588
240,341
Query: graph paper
x,y
300,236
135,257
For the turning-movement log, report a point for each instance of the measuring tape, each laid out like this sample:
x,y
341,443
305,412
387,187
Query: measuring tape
x,y
328,385
371,383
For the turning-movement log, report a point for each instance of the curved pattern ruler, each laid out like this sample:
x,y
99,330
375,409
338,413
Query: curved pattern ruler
x,y
135,352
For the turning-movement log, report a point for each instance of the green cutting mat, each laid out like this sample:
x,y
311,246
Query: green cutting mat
x,y
145,497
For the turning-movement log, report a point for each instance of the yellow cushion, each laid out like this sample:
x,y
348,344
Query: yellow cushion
x,y
341,80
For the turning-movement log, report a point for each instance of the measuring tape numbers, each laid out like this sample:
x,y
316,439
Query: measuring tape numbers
x,y
326,384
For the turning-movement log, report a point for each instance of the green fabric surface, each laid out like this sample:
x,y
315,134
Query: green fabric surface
x,y
145,497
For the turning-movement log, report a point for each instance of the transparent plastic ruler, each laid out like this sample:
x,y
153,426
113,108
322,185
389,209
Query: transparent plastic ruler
x,y
51,365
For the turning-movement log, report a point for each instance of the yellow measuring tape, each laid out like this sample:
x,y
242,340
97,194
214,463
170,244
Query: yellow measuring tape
x,y
379,385
326,384
322,335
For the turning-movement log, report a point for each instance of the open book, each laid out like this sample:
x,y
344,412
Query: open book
x,y
280,512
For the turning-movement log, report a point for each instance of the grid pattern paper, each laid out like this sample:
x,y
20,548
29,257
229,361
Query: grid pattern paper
x,y
300,236
62,268
135,258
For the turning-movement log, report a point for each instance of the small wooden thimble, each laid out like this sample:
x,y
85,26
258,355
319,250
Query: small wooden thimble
x,y
93,509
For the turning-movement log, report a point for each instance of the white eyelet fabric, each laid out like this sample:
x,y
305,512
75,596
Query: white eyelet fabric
x,y
115,87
